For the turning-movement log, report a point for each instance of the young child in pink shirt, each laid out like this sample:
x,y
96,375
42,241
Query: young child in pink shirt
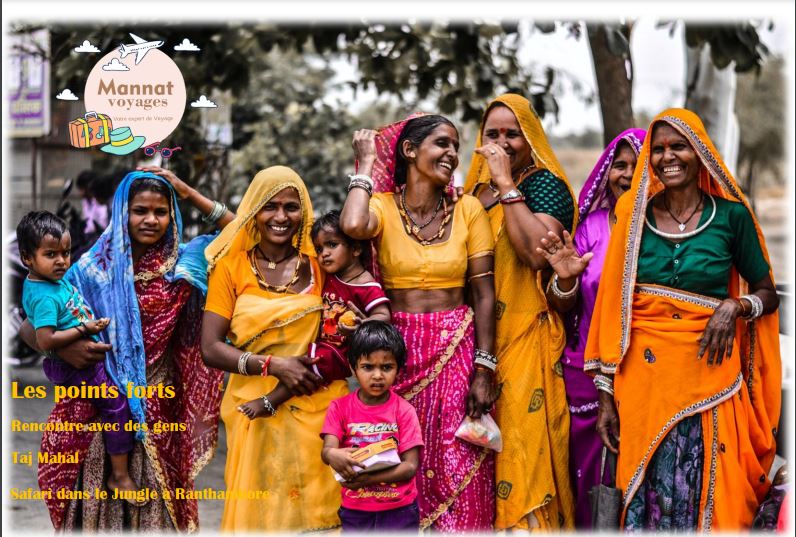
x,y
384,499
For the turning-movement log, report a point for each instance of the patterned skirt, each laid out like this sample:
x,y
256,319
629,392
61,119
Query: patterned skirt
x,y
455,478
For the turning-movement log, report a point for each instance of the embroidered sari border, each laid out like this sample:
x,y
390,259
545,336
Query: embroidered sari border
x,y
443,359
695,408
280,324
444,506
677,294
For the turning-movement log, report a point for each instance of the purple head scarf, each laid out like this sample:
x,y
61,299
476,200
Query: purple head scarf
x,y
595,193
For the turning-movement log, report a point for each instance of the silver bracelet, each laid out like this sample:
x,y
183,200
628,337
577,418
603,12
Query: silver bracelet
x,y
604,384
757,306
268,406
362,177
511,195
215,213
243,360
364,185
564,294
486,359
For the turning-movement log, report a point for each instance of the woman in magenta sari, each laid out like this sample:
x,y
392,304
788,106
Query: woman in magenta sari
x,y
609,179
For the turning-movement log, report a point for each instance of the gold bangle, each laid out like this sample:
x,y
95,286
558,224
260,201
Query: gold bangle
x,y
480,275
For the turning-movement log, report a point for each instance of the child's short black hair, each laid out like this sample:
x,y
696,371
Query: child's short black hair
x,y
330,221
374,336
32,229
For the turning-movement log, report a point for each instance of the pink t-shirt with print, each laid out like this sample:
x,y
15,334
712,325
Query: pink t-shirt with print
x,y
356,424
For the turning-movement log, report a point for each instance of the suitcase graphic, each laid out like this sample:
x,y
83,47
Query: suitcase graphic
x,y
90,130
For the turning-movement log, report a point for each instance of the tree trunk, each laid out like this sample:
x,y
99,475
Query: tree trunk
x,y
614,83
710,93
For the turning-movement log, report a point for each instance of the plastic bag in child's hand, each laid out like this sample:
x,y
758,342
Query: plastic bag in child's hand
x,y
481,432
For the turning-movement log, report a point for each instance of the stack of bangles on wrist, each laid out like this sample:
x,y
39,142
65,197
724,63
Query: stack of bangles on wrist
x,y
268,406
243,361
361,181
219,209
604,384
485,359
756,307
563,294
512,196
266,363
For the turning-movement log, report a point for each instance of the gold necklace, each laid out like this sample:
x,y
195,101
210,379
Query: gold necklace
x,y
407,221
261,277
272,264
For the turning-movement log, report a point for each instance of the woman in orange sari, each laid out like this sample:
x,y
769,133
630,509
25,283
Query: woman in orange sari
x,y
684,340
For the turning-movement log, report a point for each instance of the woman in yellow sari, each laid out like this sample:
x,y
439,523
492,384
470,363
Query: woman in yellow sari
x,y
685,340
264,298
521,185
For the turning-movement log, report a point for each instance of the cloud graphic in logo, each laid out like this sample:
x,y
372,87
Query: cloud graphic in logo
x,y
86,47
67,95
203,102
115,65
187,46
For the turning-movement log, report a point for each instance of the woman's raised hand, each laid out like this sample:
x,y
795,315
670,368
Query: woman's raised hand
x,y
295,374
180,187
562,256
364,144
499,164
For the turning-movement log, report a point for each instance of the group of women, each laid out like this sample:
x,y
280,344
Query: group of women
x,y
653,333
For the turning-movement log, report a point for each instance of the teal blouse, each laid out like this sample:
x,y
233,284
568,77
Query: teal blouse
x,y
701,264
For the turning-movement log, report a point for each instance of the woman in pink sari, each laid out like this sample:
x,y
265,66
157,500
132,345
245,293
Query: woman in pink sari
x,y
429,248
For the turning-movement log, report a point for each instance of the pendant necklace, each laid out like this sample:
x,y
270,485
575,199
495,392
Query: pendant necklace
x,y
415,226
272,264
681,225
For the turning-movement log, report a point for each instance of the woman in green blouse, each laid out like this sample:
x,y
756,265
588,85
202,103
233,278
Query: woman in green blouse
x,y
684,339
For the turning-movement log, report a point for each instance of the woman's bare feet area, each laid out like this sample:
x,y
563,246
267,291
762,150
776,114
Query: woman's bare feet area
x,y
254,409
123,487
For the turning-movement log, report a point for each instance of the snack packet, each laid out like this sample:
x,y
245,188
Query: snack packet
x,y
481,432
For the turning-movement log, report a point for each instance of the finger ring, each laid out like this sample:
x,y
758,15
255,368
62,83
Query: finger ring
x,y
493,152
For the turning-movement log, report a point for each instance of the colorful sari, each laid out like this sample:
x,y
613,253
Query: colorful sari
x,y
532,481
585,446
455,479
154,330
732,408
274,475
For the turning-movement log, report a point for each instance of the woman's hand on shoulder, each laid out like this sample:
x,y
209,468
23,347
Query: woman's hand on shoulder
x,y
296,374
719,335
562,256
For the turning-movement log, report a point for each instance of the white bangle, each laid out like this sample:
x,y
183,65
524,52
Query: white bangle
x,y
362,177
243,361
563,294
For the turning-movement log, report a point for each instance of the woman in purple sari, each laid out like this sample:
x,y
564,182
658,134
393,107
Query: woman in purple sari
x,y
609,179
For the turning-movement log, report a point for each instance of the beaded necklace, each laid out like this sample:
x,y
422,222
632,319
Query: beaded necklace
x,y
413,231
261,277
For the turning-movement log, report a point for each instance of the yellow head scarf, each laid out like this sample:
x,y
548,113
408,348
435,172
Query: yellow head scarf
x,y
534,134
241,234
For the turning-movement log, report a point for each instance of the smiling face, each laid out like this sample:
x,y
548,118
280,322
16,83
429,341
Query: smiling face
x,y
376,373
51,258
334,253
280,217
621,172
501,127
148,217
437,155
671,156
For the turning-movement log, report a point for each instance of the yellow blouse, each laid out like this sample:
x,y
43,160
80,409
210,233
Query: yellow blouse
x,y
407,264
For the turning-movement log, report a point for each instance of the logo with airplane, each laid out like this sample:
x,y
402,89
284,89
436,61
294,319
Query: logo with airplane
x,y
141,47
